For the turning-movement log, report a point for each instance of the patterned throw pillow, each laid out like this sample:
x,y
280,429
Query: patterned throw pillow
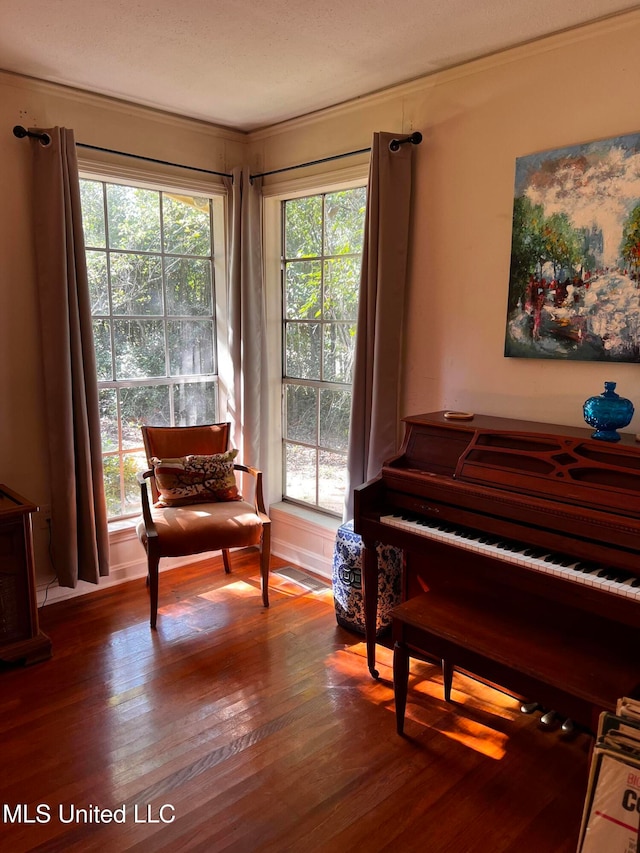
x,y
196,479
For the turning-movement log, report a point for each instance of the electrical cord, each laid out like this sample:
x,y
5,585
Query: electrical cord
x,y
55,572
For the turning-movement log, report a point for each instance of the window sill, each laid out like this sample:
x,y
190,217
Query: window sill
x,y
307,514
122,529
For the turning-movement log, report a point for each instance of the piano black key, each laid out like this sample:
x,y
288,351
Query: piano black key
x,y
533,552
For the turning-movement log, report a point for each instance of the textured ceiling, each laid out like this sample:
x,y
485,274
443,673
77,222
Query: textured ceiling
x,y
247,64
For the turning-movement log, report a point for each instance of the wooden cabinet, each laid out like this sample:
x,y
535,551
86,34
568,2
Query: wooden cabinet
x,y
21,640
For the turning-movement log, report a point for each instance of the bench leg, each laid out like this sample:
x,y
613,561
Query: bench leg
x,y
400,682
447,677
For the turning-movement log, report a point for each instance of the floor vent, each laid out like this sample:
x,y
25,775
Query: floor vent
x,y
301,578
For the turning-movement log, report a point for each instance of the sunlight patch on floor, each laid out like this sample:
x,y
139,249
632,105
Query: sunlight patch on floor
x,y
235,589
474,735
426,696
291,589
470,701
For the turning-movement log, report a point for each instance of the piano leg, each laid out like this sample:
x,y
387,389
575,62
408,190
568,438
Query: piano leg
x,y
400,682
370,598
447,677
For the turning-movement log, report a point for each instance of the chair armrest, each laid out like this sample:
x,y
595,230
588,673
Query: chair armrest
x,y
258,494
143,478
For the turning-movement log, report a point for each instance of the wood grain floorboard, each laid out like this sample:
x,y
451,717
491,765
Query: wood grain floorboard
x,y
263,731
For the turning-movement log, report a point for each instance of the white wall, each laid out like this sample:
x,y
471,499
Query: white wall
x,y
476,120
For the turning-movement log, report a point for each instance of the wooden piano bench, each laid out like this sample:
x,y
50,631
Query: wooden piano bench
x,y
578,667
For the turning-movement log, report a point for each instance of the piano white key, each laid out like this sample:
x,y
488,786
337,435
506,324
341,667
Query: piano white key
x,y
468,541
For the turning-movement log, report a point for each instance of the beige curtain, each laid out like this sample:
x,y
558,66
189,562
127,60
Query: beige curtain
x,y
79,540
373,433
246,320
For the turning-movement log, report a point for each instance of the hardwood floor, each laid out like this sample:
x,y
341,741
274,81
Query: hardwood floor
x,y
261,730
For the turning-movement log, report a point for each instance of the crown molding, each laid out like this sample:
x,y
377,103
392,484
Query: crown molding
x,y
411,88
117,105
536,47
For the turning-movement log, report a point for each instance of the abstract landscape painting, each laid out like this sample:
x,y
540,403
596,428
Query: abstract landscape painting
x,y
575,254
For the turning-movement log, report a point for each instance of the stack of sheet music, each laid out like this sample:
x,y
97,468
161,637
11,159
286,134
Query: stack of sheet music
x,y
611,818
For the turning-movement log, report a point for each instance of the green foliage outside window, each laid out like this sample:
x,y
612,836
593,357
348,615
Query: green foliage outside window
x,y
149,264
322,249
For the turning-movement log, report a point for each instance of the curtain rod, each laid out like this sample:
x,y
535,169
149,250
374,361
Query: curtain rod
x,y
394,145
21,132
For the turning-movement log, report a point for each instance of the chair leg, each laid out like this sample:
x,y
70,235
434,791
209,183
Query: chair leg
x,y
152,583
265,558
225,560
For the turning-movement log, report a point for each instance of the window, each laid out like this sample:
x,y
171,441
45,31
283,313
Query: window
x,y
321,251
151,279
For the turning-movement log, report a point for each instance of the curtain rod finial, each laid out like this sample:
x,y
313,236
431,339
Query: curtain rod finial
x,y
414,139
21,132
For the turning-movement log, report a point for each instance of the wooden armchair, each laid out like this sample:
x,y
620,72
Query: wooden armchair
x,y
192,525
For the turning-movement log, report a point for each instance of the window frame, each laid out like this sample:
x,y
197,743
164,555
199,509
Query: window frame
x,y
273,195
218,193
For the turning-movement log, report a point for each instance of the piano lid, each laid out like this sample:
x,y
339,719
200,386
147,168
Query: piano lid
x,y
581,472
543,460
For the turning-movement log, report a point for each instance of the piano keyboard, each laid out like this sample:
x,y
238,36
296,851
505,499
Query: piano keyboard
x,y
615,581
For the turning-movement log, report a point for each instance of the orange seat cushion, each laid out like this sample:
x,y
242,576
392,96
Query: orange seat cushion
x,y
204,527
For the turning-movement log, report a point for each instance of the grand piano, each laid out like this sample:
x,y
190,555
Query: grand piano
x,y
521,547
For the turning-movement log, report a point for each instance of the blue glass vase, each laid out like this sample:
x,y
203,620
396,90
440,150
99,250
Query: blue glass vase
x,y
608,412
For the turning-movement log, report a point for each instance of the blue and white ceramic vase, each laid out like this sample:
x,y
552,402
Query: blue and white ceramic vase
x,y
608,412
